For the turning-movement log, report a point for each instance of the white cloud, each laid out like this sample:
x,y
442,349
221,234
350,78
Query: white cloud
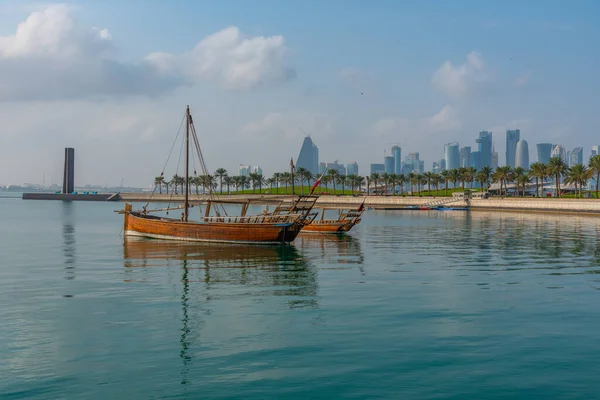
x,y
458,81
52,56
523,79
289,126
445,120
391,126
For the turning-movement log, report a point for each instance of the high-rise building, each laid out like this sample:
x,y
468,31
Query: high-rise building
x,y
340,168
484,146
352,168
69,171
476,159
559,151
256,169
389,164
595,150
377,168
544,152
576,156
309,156
452,155
244,170
465,157
397,153
412,163
495,162
522,155
512,137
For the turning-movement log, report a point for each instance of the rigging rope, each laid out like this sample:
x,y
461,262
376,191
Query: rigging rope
x,y
162,173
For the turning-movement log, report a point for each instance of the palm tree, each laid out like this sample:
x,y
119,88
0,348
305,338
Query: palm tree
x,y
502,175
252,180
438,180
342,181
159,181
537,170
221,173
595,169
351,179
417,179
446,177
260,181
400,179
237,181
471,174
244,182
228,181
333,174
486,172
558,168
359,181
411,179
385,177
208,182
455,177
517,175
166,183
277,177
285,177
375,179
196,181
175,182
301,175
462,176
521,179
429,177
578,174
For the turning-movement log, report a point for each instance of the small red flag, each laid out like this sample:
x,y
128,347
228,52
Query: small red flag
x,y
291,163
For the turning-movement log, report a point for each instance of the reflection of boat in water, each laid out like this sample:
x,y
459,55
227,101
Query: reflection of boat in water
x,y
135,248
347,218
345,247
237,264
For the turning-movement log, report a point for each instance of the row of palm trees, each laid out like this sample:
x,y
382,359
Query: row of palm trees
x,y
556,169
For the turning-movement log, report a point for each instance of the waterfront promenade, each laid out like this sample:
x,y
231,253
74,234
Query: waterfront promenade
x,y
563,205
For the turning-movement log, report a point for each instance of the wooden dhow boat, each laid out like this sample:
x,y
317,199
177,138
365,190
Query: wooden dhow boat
x,y
279,228
346,220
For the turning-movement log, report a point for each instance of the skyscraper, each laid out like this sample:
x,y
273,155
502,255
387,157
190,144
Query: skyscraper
x,y
576,156
412,163
484,146
397,153
309,156
352,168
389,163
452,155
512,137
69,172
256,169
377,168
544,152
522,154
495,162
595,150
559,151
244,170
465,157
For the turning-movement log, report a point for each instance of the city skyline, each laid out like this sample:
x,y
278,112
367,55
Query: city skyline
x,y
257,83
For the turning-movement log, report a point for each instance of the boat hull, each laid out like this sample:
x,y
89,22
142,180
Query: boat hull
x,y
171,229
328,227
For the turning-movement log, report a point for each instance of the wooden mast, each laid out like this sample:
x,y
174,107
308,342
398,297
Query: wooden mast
x,y
187,162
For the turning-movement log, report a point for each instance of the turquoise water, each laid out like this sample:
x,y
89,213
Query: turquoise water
x,y
411,305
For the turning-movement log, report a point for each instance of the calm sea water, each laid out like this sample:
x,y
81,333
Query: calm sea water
x,y
410,305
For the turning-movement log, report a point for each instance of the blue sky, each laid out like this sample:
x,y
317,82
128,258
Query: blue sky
x,y
430,72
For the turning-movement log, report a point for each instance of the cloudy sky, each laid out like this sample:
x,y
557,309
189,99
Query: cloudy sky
x,y
112,79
